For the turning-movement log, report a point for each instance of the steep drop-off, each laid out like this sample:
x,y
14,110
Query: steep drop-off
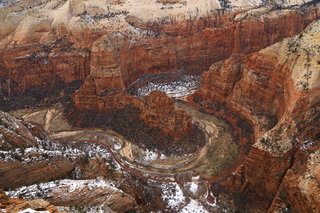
x,y
74,39
282,82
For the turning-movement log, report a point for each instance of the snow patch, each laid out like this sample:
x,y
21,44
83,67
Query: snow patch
x,y
28,210
179,88
46,190
173,195
194,207
194,187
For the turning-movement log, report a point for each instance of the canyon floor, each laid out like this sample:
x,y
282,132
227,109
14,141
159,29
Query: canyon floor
x,y
192,171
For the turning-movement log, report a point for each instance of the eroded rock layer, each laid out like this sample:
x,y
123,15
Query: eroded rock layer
x,y
156,110
74,39
280,81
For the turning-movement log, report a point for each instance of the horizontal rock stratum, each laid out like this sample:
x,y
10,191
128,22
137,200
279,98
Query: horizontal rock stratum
x,y
71,39
281,81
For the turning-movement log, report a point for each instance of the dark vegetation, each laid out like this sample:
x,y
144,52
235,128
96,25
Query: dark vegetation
x,y
53,91
127,122
245,126
242,123
85,118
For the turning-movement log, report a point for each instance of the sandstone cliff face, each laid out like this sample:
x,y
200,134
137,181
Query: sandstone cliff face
x,y
299,190
26,151
117,60
157,110
106,196
283,81
32,166
73,39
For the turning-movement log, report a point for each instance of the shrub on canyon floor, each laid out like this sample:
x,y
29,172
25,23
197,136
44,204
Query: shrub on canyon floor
x,y
128,123
55,90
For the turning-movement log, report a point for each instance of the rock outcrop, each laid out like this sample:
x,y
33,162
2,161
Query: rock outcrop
x,y
117,60
280,81
26,151
15,133
110,45
79,193
157,110
299,190
15,205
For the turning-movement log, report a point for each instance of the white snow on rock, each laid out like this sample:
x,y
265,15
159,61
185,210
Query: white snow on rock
x,y
46,190
28,210
194,187
178,88
173,196
86,209
45,151
193,207
148,155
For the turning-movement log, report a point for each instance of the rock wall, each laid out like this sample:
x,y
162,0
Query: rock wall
x,y
73,40
157,110
117,60
299,190
283,81
16,133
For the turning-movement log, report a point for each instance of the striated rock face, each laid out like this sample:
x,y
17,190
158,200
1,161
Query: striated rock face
x,y
74,39
26,151
117,60
157,110
16,133
15,205
280,81
299,190
34,167
260,175
267,81
104,194
80,193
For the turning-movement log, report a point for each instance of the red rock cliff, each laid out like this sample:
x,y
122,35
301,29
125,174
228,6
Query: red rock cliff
x,y
283,81
38,47
157,110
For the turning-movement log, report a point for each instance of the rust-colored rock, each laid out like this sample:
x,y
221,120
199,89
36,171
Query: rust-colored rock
x,y
157,110
280,81
299,190
15,205
260,175
34,49
117,60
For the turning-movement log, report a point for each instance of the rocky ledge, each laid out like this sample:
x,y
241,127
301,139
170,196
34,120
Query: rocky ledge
x,y
15,205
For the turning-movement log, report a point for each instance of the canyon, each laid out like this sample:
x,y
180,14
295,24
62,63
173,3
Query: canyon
x,y
235,126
